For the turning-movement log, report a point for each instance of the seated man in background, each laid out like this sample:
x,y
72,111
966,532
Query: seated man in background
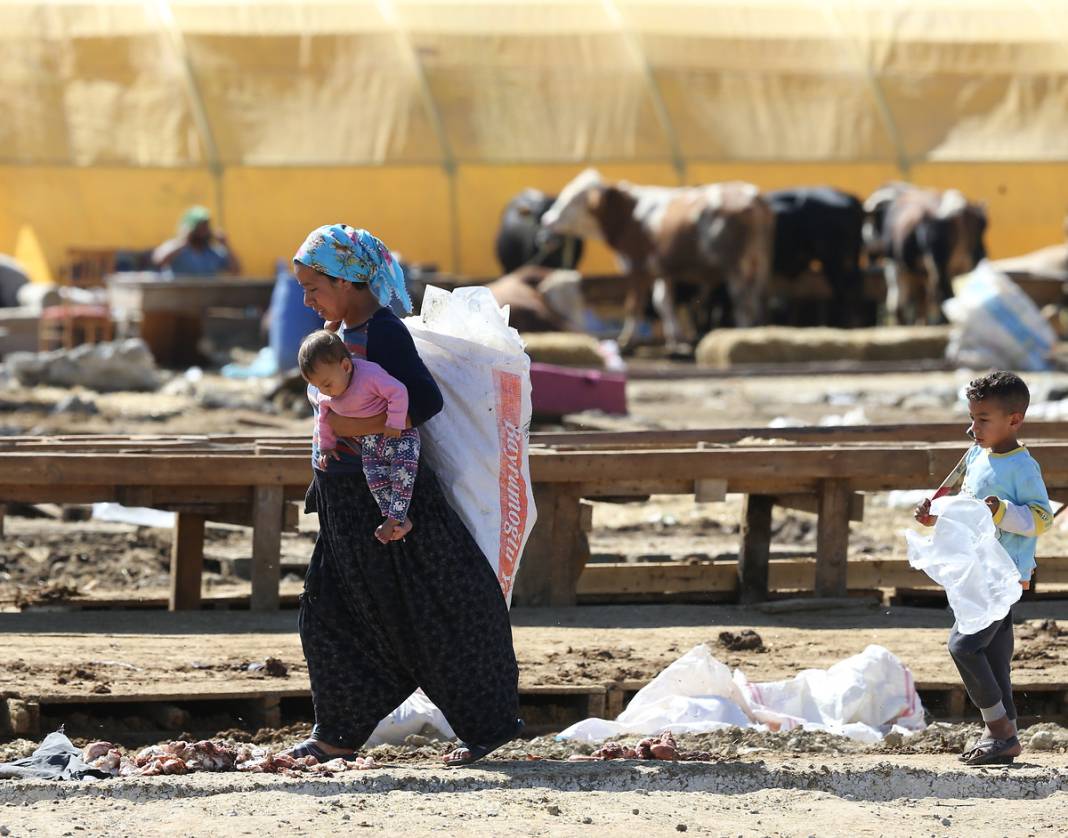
x,y
197,250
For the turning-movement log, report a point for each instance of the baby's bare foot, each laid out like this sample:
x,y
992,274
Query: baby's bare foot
x,y
402,529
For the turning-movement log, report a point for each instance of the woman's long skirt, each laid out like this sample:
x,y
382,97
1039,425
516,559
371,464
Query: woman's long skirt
x,y
378,620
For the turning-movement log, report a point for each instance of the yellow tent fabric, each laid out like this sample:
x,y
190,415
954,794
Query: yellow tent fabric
x,y
420,119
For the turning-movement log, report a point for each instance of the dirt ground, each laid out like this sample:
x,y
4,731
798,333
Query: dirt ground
x,y
750,784
63,653
790,796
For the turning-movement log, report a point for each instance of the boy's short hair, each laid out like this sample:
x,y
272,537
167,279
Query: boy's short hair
x,y
318,347
1005,387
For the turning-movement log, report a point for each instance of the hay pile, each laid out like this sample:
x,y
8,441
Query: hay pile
x,y
566,349
784,345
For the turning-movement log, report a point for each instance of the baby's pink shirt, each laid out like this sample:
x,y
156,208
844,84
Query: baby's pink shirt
x,y
371,391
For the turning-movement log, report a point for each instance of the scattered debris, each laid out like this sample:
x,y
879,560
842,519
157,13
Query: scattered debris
x,y
745,640
104,367
271,667
181,757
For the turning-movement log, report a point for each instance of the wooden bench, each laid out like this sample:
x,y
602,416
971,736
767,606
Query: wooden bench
x,y
254,481
198,480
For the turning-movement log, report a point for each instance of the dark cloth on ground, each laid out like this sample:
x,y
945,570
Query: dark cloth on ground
x,y
378,620
55,759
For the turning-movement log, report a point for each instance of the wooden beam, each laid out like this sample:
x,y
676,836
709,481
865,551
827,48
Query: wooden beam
x,y
832,538
755,549
710,490
35,469
187,561
267,515
811,503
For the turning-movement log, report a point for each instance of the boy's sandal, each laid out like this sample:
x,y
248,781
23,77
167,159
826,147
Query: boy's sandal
x,y
477,752
311,748
992,752
979,743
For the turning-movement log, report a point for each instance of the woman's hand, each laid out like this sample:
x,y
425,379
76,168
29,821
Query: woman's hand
x,y
993,503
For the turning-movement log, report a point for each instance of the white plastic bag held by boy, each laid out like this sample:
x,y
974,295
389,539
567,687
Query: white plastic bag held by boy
x,y
964,557
478,444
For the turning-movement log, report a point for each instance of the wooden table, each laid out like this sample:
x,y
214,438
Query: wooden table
x,y
169,313
252,481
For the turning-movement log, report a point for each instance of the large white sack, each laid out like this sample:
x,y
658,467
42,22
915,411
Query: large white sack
x,y
995,324
479,443
963,555
863,697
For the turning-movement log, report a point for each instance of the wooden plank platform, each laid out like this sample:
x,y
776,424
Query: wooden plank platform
x,y
251,479
545,708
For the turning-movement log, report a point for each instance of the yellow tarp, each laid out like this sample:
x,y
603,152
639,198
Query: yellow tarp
x,y
420,119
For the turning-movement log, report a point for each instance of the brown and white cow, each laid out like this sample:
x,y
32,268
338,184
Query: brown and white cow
x,y
924,237
706,235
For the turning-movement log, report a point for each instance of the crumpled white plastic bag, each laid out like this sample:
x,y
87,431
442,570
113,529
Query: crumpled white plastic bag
x,y
863,697
963,555
415,714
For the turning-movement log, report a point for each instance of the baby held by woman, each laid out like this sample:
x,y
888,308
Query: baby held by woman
x,y
353,387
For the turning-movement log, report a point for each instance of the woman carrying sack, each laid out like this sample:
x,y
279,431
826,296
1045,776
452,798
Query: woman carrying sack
x,y
379,620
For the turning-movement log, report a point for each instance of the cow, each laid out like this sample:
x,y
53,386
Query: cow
x,y
924,238
521,240
541,300
820,224
711,236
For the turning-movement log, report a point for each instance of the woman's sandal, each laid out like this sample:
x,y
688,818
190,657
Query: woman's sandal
x,y
477,752
991,752
311,748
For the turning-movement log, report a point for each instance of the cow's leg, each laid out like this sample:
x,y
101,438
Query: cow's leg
x,y
747,287
896,293
931,312
937,281
633,307
664,303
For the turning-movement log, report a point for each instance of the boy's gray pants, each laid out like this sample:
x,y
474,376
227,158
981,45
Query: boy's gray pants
x,y
984,660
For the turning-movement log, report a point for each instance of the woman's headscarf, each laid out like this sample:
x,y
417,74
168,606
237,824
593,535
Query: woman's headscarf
x,y
345,252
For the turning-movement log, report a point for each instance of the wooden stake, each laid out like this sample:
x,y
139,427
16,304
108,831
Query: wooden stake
x,y
267,512
187,561
755,550
832,538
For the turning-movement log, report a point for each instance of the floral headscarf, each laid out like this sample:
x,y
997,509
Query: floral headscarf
x,y
345,252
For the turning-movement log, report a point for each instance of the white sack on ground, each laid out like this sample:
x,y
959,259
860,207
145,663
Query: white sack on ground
x,y
863,697
995,324
963,555
478,445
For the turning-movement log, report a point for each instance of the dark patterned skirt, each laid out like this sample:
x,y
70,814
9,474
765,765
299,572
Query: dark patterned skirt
x,y
378,620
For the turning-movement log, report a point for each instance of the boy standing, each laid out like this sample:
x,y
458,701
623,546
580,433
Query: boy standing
x,y
1002,473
